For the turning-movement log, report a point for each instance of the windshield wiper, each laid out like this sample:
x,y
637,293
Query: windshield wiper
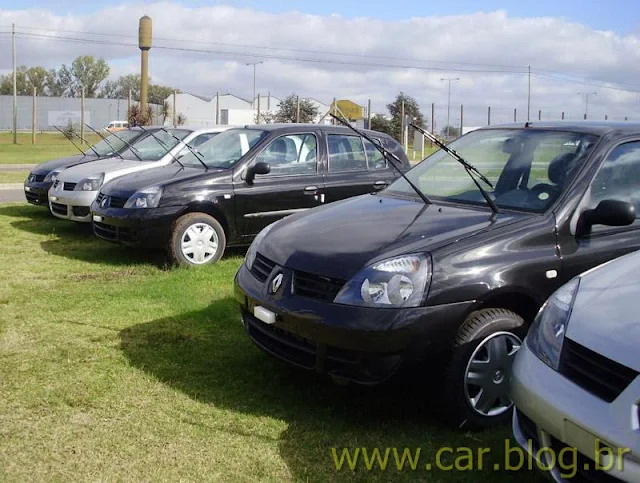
x,y
195,152
386,154
469,168
162,144
71,141
115,151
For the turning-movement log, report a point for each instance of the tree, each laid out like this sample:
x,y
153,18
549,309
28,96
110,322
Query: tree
x,y
381,124
266,117
37,77
181,119
158,94
450,132
411,109
165,111
55,87
287,110
85,71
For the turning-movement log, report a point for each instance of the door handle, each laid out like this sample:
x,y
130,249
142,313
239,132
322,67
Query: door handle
x,y
379,185
311,190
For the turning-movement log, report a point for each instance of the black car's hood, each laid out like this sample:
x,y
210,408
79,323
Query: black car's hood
x,y
125,186
339,239
48,166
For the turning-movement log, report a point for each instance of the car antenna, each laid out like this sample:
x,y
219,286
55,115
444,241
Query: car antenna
x,y
70,140
162,144
468,167
386,153
108,143
195,152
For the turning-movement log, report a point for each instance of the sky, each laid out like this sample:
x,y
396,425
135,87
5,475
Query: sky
x,y
361,51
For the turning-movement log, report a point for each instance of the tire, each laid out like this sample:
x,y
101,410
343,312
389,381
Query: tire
x,y
501,332
204,251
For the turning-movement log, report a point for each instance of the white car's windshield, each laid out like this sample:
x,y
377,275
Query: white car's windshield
x,y
225,149
154,147
528,168
114,143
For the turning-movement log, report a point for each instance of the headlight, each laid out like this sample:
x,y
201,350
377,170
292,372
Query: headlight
x,y
146,198
92,183
51,177
548,329
395,282
250,257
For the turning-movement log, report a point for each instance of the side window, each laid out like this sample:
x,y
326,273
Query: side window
x,y
296,154
618,178
346,153
194,143
375,159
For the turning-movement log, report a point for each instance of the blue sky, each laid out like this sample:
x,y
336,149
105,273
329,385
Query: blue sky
x,y
620,16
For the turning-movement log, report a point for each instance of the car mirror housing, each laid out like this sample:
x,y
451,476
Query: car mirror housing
x,y
258,168
608,212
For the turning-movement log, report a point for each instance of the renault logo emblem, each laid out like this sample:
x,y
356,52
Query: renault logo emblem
x,y
104,202
276,282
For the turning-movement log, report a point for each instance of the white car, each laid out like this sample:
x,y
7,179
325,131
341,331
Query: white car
x,y
75,188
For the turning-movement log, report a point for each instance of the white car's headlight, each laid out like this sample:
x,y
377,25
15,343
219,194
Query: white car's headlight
x,y
548,329
51,177
92,183
146,198
250,257
395,282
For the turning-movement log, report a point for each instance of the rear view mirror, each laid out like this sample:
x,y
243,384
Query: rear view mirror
x,y
258,168
608,213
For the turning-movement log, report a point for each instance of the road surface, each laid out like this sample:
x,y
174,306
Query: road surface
x,y
11,192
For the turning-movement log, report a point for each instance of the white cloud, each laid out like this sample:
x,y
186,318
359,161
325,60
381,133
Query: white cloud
x,y
492,39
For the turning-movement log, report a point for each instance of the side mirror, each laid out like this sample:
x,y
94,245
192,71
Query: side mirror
x,y
609,213
258,168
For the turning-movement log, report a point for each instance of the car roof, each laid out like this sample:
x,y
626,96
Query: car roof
x,y
296,127
587,127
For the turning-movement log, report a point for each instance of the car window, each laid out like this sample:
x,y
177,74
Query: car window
x,y
618,178
114,143
346,153
225,149
295,154
196,143
154,147
375,159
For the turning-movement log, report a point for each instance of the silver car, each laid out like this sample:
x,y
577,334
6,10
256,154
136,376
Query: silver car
x,y
75,188
576,379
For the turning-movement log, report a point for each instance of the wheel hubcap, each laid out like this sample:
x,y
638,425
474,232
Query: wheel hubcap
x,y
199,243
488,373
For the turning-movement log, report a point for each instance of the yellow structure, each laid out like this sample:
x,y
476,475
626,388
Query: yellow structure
x,y
350,109
144,42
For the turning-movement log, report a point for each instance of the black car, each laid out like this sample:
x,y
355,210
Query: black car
x,y
42,177
237,183
364,287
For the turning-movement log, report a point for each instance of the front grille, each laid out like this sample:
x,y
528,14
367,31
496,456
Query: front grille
x,y
69,186
59,209
99,198
116,202
593,372
80,210
37,178
113,233
262,267
585,467
316,286
31,197
56,184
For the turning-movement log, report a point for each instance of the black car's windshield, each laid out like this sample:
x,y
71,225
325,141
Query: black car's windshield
x,y
153,148
225,149
114,143
528,168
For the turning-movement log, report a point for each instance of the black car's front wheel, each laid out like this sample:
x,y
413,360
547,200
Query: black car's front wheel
x,y
477,377
196,239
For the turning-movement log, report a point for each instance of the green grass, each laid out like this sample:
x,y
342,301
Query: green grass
x,y
13,176
48,146
114,366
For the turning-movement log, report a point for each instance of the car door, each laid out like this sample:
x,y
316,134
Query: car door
x,y
617,178
354,167
293,184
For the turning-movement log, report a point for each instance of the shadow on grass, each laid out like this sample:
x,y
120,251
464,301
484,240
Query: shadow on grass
x,y
207,355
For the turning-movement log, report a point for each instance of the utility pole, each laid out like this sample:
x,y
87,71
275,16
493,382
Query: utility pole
x,y
449,100
515,112
217,108
489,116
402,126
369,114
82,117
461,119
586,107
253,99
33,118
258,116
433,120
15,85
529,97
297,108
174,108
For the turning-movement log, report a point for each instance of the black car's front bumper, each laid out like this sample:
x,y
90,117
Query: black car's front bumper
x,y
36,192
143,226
359,344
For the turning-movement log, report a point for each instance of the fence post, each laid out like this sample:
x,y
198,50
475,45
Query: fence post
x,y
402,126
433,120
461,120
33,118
174,109
128,104
540,115
82,117
606,118
297,108
489,116
217,108
333,110
369,114
515,117
563,115
258,117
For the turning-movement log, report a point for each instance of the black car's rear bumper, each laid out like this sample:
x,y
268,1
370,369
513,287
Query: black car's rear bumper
x,y
360,344
134,227
36,192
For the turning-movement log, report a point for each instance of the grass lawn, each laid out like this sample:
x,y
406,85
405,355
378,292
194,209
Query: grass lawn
x,y
48,146
115,367
13,176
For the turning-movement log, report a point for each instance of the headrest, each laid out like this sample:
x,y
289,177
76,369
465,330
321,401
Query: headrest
x,y
560,168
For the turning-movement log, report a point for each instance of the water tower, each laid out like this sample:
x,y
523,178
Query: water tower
x,y
144,42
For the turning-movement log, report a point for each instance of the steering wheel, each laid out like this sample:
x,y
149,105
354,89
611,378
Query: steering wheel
x,y
543,192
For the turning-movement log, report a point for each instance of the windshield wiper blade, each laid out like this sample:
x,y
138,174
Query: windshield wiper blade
x,y
387,155
195,152
469,168
108,143
71,140
162,144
